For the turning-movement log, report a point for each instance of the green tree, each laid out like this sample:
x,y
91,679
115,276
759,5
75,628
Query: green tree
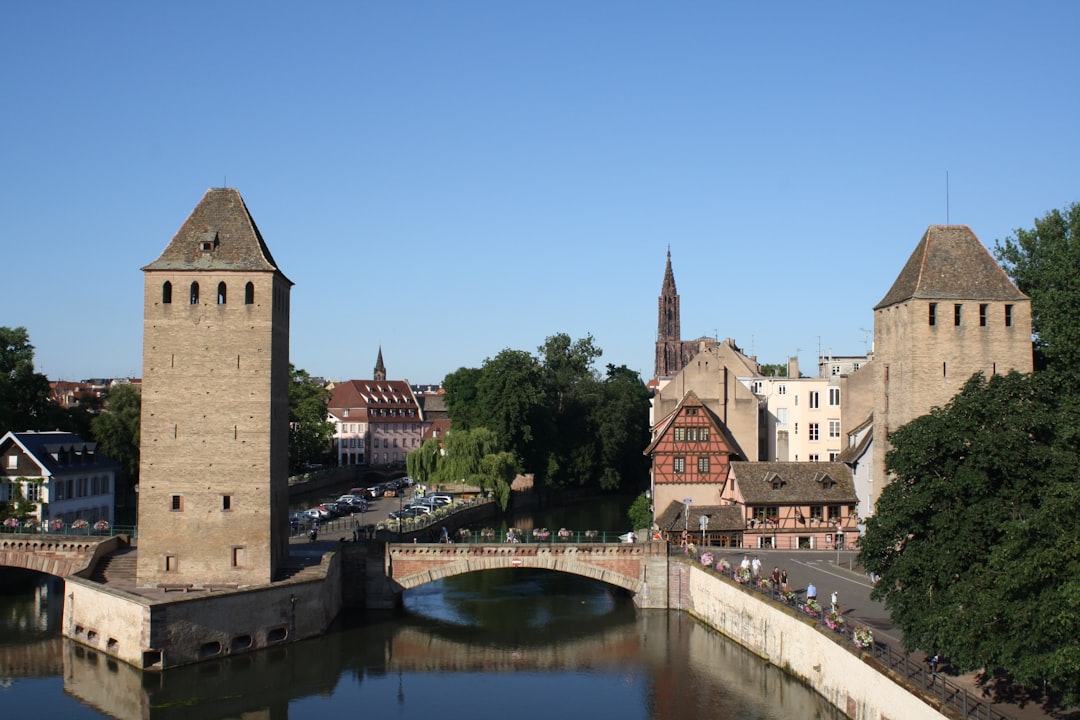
x,y
310,432
116,427
422,464
773,370
512,404
1044,262
460,391
640,512
621,422
24,394
974,538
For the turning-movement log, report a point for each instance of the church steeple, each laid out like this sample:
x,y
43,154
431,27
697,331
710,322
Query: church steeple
x,y
668,331
380,369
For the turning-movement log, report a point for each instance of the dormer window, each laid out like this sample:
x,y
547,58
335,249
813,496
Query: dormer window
x,y
208,243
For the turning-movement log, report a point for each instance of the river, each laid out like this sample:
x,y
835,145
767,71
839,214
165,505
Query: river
x,y
518,643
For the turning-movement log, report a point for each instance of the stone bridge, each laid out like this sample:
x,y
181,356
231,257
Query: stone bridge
x,y
59,555
640,568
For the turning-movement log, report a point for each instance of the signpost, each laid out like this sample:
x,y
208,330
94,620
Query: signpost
x,y
704,522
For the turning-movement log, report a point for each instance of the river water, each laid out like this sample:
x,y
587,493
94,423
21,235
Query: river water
x,y
516,644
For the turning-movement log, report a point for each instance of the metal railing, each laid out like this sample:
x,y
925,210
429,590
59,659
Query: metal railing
x,y
932,683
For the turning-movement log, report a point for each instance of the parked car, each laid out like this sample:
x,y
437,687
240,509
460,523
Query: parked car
x,y
405,513
320,514
441,500
354,501
424,509
299,521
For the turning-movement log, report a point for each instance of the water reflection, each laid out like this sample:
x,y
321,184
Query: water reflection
x,y
517,643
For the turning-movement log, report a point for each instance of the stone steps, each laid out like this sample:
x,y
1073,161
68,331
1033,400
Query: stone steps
x,y
116,568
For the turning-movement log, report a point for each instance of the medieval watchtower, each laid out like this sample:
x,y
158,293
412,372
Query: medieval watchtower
x,y
951,313
213,491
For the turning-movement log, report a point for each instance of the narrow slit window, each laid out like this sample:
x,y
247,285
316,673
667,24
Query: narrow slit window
x,y
983,307
933,314
194,293
221,293
249,294
1008,315
166,293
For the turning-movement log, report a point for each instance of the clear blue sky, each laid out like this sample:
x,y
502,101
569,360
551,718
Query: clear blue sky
x,y
449,179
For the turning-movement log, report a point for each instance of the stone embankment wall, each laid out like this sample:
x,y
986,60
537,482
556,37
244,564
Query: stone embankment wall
x,y
160,633
850,681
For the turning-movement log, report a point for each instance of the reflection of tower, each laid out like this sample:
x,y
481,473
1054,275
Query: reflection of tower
x,y
213,493
668,332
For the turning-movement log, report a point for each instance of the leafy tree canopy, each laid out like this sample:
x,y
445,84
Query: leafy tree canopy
x,y
773,370
24,394
1044,262
116,428
555,416
974,539
310,433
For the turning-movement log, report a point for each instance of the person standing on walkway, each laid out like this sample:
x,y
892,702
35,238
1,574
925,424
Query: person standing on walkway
x,y
755,567
783,581
776,578
832,601
811,592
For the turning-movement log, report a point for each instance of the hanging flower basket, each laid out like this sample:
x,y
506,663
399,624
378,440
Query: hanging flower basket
x,y
79,524
862,638
101,525
564,534
723,565
813,609
464,533
11,523
742,575
541,533
487,533
57,525
706,559
591,534
835,621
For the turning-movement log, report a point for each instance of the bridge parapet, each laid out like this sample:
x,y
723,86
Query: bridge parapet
x,y
638,568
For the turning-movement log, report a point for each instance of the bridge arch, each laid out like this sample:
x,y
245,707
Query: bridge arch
x,y
638,569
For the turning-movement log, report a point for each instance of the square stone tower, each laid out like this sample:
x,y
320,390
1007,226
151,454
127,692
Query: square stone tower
x,y
952,312
213,489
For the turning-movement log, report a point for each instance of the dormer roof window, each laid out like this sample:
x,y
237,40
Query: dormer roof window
x,y
208,242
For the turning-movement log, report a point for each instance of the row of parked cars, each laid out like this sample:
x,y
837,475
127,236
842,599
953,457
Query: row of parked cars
x,y
422,506
390,488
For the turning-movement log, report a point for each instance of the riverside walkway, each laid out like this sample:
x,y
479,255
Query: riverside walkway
x,y
969,694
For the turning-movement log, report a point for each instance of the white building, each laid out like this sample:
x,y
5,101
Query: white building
x,y
64,476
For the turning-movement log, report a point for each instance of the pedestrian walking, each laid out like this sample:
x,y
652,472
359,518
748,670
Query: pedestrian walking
x,y
783,581
776,577
755,567
833,602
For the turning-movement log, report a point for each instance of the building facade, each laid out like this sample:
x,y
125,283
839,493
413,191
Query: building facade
x,y
376,422
213,493
62,475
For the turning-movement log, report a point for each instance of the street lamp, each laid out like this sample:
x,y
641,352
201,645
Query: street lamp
x,y
400,520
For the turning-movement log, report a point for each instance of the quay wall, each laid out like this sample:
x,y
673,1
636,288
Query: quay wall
x,y
180,628
852,682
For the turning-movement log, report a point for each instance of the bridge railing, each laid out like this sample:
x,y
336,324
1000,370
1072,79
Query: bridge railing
x,y
858,637
66,531
539,536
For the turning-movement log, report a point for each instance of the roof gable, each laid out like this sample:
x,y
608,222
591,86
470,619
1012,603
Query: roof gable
x,y
691,404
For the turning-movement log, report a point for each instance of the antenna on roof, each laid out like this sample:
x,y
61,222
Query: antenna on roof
x,y
224,181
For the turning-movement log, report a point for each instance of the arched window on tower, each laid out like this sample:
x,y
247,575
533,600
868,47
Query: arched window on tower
x,y
249,294
166,293
194,293
221,293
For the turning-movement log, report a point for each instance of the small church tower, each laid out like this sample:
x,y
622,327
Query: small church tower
x,y
952,312
213,490
380,369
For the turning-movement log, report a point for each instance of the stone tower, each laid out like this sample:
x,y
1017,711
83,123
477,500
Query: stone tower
x,y
213,490
951,313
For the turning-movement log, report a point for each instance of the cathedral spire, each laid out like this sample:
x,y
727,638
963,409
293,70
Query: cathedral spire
x,y
668,332
380,369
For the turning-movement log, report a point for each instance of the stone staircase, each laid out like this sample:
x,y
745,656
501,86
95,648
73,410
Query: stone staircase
x,y
117,568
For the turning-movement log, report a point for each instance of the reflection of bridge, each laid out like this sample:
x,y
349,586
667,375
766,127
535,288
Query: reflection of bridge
x,y
59,555
639,568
